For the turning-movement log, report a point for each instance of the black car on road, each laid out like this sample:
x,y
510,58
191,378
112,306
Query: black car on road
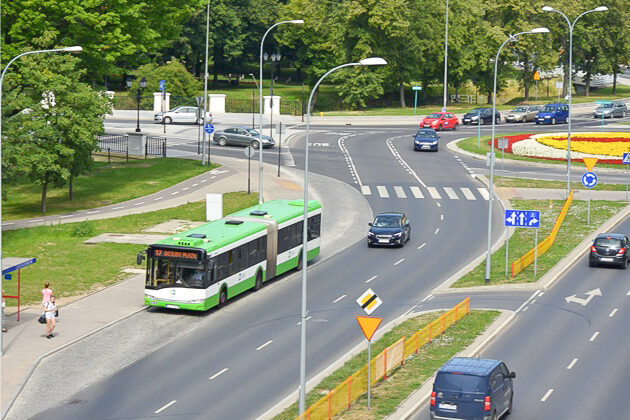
x,y
425,139
485,114
610,248
389,229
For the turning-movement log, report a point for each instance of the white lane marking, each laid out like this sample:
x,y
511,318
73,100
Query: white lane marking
x,y
628,294
409,310
184,189
64,216
573,362
540,294
382,191
36,220
365,190
339,298
92,212
422,246
438,204
416,192
527,301
204,180
118,208
426,298
484,193
165,407
468,194
614,311
218,373
9,224
194,185
434,193
547,394
451,193
213,176
402,161
370,279
400,193
441,217
159,198
353,169
142,202
267,343
436,231
594,336
177,192
431,297
399,261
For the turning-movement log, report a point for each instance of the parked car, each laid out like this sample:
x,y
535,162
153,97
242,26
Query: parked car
x,y
523,113
610,248
552,114
472,117
472,388
612,109
242,136
425,139
183,114
389,229
440,120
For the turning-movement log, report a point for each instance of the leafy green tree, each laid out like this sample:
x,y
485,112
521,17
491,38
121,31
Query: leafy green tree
x,y
179,82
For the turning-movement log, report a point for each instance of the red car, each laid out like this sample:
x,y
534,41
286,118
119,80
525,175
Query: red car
x,y
440,120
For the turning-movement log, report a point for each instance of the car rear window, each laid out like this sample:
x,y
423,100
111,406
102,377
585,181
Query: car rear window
x,y
608,242
434,115
461,382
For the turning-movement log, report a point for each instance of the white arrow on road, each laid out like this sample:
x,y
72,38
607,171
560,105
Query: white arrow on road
x,y
584,302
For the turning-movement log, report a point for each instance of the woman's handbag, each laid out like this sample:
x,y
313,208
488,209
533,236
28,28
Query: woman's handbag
x,y
42,319
57,313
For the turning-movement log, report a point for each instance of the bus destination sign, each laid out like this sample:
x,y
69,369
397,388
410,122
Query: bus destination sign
x,y
169,253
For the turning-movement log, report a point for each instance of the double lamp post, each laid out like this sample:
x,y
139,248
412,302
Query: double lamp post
x,y
141,88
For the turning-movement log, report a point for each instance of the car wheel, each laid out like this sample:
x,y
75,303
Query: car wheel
x,y
255,144
167,120
455,127
370,245
497,120
436,148
509,410
524,119
494,416
222,141
591,263
553,121
624,265
537,123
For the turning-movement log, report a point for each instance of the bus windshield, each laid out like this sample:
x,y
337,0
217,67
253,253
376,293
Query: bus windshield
x,y
177,273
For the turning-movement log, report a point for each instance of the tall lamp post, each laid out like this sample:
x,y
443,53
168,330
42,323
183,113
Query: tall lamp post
x,y
141,88
445,60
372,61
205,93
260,77
511,38
274,57
570,87
76,49
256,83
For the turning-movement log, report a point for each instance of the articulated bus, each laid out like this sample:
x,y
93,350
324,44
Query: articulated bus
x,y
205,266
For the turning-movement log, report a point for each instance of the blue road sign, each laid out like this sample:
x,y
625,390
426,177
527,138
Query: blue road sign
x,y
162,85
626,158
589,179
209,128
522,218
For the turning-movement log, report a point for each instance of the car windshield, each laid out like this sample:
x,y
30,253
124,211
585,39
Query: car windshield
x,y
252,132
476,111
549,108
460,382
434,115
608,242
387,221
606,106
520,109
426,133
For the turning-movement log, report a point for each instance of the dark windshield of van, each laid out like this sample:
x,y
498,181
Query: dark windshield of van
x,y
460,382
549,108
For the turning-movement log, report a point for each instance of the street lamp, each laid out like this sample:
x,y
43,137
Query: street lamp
x,y
372,61
445,60
570,87
141,88
260,77
511,38
256,83
274,57
75,48
205,92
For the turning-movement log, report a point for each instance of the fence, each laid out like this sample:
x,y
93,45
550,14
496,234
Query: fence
x,y
392,357
119,143
528,258
131,102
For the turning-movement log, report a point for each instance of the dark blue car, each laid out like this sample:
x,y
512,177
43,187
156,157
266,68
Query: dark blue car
x,y
389,229
553,114
472,389
425,139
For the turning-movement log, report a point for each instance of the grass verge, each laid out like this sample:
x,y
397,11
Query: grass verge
x,y
105,184
574,229
501,181
74,268
387,395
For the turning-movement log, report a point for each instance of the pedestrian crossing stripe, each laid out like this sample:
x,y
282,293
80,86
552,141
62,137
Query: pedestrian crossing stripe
x,y
468,194
484,193
382,191
434,193
400,193
365,190
416,192
452,193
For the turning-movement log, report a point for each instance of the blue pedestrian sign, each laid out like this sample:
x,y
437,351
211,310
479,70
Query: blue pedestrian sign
x,y
626,158
209,128
522,218
162,85
589,179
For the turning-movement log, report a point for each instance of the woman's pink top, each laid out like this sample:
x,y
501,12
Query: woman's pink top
x,y
46,293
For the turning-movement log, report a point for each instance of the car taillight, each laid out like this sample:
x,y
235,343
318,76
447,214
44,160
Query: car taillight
x,y
433,399
487,405
593,249
621,251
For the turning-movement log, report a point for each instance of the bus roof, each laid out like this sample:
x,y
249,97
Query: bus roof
x,y
278,210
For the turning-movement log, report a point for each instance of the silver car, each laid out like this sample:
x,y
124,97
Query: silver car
x,y
611,109
242,136
523,114
183,114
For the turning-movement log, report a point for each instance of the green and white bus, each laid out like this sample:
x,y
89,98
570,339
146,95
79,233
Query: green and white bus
x,y
205,266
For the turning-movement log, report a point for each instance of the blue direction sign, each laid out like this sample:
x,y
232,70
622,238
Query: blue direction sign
x,y
162,85
209,128
522,218
589,179
626,158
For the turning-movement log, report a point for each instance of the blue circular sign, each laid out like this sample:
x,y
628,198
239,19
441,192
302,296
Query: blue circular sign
x,y
589,179
209,128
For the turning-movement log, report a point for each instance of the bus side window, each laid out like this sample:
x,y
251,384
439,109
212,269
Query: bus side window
x,y
252,249
222,266
314,226
298,234
242,257
262,248
232,261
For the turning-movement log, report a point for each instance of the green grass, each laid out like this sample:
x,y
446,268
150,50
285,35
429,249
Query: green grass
x,y
574,229
387,395
537,183
105,184
74,268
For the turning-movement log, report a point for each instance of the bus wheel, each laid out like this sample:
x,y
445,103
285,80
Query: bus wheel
x,y
222,297
258,284
299,266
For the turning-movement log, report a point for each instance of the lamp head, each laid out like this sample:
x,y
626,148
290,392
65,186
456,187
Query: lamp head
x,y
143,83
297,21
75,48
547,9
373,61
539,30
129,82
600,9
265,56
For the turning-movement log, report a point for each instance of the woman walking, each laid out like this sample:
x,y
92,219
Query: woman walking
x,y
49,310
46,293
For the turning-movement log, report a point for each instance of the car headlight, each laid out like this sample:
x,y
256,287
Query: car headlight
x,y
474,118
434,122
397,235
370,234
547,116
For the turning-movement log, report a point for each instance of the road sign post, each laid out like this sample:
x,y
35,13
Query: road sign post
x,y
507,247
249,152
503,144
535,252
415,100
521,218
626,160
589,180
369,326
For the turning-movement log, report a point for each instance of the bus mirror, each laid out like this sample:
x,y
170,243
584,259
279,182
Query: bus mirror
x,y
140,258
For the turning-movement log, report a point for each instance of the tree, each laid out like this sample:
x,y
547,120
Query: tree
x,y
179,81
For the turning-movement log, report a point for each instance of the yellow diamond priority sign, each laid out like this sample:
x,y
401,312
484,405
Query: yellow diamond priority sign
x,y
368,301
369,325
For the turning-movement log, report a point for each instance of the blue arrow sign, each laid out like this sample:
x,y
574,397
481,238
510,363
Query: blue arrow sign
x,y
162,85
522,218
626,158
589,179
209,128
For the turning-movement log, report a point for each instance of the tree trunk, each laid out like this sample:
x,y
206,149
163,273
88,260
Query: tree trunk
x,y
70,191
44,191
614,89
490,97
526,83
587,84
402,95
